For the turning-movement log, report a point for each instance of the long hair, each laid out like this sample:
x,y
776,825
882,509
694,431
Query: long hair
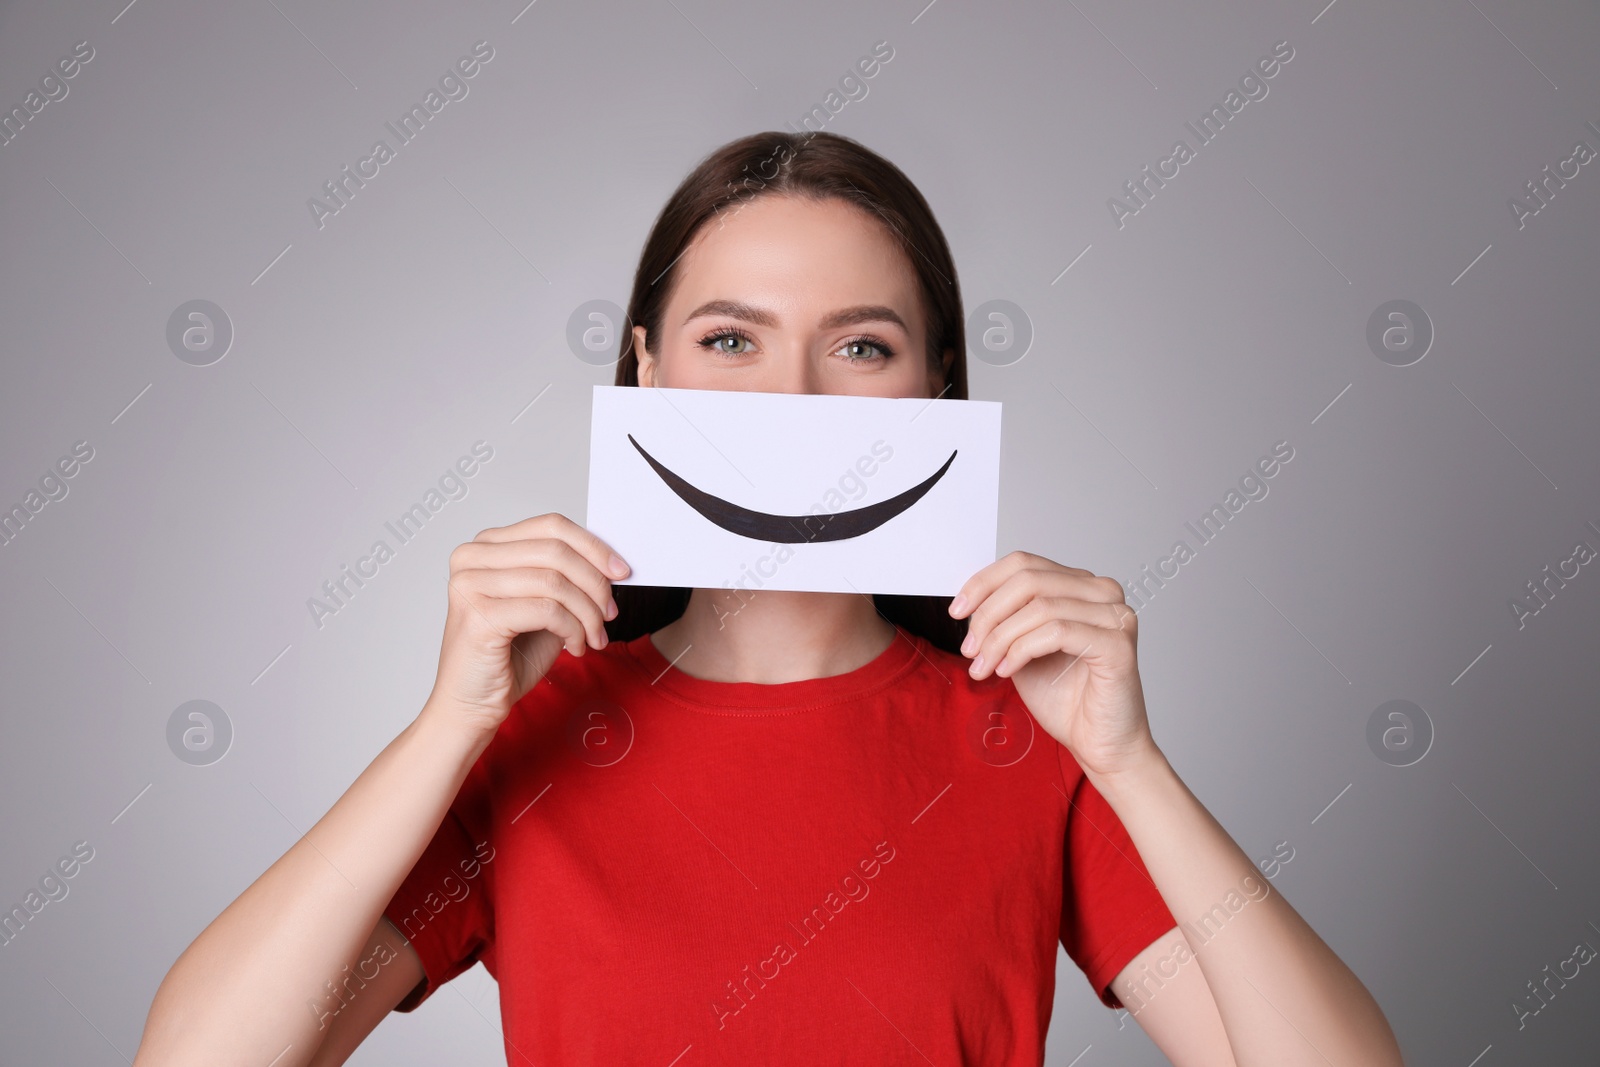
x,y
819,165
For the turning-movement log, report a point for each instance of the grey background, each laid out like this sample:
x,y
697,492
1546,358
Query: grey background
x,y
1229,314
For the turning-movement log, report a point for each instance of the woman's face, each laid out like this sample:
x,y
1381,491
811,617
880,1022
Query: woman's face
x,y
793,295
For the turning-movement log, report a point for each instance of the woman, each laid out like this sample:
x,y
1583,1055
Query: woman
x,y
783,826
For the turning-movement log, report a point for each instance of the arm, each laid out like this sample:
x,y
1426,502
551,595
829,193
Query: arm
x,y
1067,639
398,976
1179,1014
251,988
240,992
1274,989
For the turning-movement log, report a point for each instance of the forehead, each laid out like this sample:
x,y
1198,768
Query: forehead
x,y
797,254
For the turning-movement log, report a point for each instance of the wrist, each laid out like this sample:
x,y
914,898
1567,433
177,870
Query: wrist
x,y
1138,774
465,731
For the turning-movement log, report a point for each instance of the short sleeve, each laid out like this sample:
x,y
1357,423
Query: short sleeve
x,y
1110,908
444,907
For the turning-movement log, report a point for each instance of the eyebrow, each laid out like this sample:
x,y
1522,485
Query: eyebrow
x,y
849,316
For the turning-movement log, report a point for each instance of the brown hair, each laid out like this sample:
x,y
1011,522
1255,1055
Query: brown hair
x,y
819,165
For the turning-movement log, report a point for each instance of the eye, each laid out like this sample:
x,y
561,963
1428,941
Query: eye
x,y
715,341
855,349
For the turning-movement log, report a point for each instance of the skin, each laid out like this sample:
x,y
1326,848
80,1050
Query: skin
x,y
1266,992
792,263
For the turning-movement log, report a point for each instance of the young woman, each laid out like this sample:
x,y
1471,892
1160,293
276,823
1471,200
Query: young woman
x,y
772,827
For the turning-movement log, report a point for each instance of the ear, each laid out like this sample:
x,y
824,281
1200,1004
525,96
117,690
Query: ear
x,y
647,362
939,380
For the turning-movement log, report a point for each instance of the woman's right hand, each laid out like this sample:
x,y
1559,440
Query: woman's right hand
x,y
518,594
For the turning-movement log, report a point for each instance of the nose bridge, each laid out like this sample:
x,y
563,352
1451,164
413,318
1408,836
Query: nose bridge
x,y
797,371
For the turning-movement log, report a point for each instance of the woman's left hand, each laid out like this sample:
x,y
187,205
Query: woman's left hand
x,y
1066,638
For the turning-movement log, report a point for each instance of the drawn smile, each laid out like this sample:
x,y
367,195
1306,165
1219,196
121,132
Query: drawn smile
x,y
792,529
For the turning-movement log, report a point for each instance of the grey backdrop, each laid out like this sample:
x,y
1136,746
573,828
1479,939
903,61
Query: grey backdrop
x,y
1169,353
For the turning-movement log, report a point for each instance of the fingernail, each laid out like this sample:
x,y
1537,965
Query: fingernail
x,y
969,646
977,667
605,640
611,610
958,605
618,567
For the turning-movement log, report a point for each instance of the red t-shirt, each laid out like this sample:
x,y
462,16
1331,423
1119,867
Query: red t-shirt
x,y
650,863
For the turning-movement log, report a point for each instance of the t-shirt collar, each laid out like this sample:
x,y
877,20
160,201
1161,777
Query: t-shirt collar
x,y
902,654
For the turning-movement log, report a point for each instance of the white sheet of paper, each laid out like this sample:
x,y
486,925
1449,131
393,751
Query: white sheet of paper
x,y
819,458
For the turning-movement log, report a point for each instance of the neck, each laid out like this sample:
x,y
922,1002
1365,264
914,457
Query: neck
x,y
772,636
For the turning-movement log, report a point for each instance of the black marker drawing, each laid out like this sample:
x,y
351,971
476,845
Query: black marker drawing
x,y
792,529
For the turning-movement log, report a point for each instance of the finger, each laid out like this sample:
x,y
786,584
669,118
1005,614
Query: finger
x,y
517,583
554,524
1077,639
544,552
985,581
1002,601
1024,585
520,583
540,615
991,577
996,653
510,617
